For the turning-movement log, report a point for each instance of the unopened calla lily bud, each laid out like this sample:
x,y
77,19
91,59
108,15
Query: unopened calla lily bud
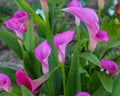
x,y
101,4
44,5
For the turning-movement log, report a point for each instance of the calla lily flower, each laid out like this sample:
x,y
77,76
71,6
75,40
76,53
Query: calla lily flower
x,y
42,52
75,3
18,23
60,41
5,82
90,18
33,85
82,94
110,66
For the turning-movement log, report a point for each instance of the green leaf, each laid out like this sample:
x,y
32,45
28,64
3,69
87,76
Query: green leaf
x,y
26,92
116,86
100,91
110,27
73,82
12,41
29,37
28,66
106,81
91,57
110,45
4,94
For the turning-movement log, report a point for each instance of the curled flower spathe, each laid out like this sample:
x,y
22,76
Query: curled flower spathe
x,y
82,94
33,85
90,18
5,82
18,23
110,66
60,41
42,52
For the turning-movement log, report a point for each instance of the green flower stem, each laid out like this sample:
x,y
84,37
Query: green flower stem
x,y
48,82
99,13
50,88
78,86
78,33
64,78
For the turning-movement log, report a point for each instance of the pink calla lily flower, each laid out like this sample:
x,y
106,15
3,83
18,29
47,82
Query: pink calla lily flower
x,y
60,41
110,66
5,82
90,18
75,3
18,23
33,85
82,94
42,52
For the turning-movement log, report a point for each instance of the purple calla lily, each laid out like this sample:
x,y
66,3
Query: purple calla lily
x,y
90,18
5,82
110,66
82,94
42,52
33,85
60,41
18,23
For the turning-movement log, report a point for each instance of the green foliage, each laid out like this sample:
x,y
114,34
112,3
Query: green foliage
x,y
110,45
26,92
91,57
111,27
12,41
73,81
106,81
29,41
116,86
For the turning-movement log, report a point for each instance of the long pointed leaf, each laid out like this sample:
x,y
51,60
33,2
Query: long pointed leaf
x,y
29,37
12,41
91,57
